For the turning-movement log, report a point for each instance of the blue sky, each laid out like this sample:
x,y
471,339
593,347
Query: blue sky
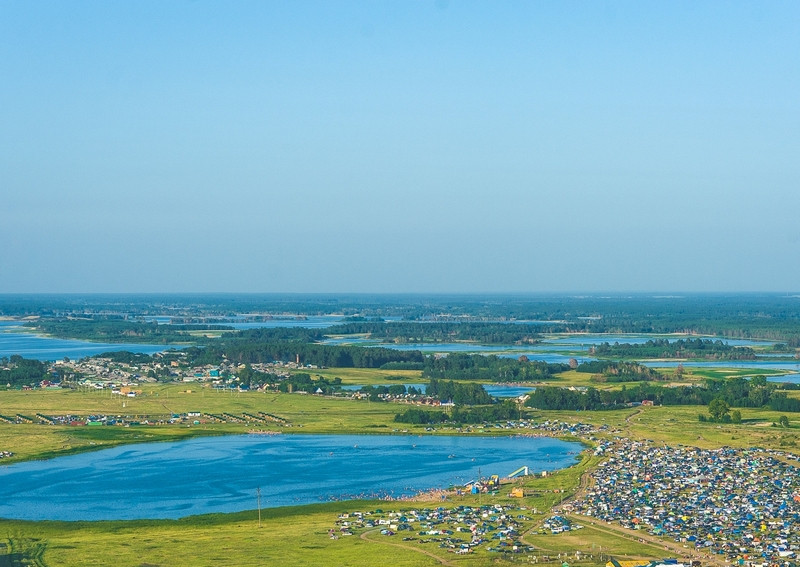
x,y
402,146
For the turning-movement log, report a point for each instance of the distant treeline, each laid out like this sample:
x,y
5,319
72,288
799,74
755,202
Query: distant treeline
x,y
16,371
768,316
302,382
296,334
458,393
375,392
252,351
681,348
118,330
413,332
737,392
502,411
607,371
491,368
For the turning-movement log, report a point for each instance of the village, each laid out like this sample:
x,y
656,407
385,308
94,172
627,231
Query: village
x,y
129,379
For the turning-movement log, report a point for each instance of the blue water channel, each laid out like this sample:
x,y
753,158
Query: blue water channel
x,y
15,339
222,474
496,390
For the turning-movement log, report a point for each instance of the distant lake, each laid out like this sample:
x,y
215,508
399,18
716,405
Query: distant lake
x,y
507,390
221,474
241,322
496,390
748,364
310,322
423,347
15,339
791,378
587,339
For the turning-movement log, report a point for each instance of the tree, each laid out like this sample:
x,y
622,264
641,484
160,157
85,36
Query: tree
x,y
783,421
718,408
736,416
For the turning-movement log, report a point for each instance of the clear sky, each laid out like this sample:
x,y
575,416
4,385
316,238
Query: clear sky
x,y
400,146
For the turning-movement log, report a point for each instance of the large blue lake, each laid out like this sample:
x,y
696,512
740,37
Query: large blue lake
x,y
222,474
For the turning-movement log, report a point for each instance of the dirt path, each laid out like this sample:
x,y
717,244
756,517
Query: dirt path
x,y
634,414
408,547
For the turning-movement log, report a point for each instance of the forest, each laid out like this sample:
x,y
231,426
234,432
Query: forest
x,y
252,351
501,411
18,371
614,372
707,349
736,392
417,332
491,368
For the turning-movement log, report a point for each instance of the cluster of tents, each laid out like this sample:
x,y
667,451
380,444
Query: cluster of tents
x,y
743,504
460,530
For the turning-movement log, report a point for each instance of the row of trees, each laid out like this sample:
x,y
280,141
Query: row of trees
x,y
492,368
735,392
375,392
252,351
415,332
303,382
119,330
681,348
502,411
458,393
608,371
115,329
18,371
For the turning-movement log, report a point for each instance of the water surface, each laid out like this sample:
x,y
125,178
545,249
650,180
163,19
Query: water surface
x,y
221,474
15,339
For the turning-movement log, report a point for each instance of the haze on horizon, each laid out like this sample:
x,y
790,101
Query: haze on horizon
x,y
397,146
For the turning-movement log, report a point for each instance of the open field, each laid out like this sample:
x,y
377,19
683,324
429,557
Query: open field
x,y
593,544
370,376
303,414
690,376
678,425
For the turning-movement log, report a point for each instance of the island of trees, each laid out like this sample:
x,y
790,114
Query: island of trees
x,y
707,349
